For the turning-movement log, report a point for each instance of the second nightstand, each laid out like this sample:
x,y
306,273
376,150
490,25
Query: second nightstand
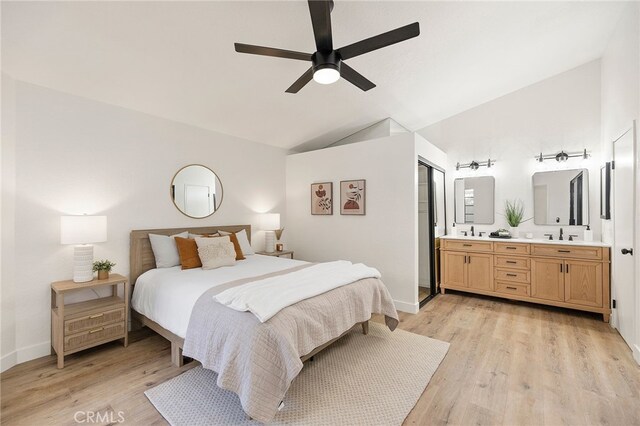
x,y
83,325
277,253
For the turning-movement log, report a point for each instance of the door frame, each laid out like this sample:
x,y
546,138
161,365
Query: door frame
x,y
636,230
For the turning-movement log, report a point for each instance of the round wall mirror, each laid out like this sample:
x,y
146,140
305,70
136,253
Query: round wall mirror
x,y
196,191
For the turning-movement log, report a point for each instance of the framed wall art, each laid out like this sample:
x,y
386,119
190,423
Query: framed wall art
x,y
322,198
353,197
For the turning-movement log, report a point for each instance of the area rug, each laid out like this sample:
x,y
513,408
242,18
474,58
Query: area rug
x,y
360,380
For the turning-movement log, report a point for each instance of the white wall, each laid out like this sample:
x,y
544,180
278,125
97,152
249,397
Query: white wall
x,y
620,106
386,237
562,112
74,156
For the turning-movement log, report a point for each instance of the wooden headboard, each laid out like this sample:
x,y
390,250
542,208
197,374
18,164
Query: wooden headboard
x,y
141,257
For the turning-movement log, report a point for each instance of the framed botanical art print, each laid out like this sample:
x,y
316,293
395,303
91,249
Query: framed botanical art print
x,y
322,198
353,197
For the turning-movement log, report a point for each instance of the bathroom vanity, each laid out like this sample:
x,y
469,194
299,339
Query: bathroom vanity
x,y
566,274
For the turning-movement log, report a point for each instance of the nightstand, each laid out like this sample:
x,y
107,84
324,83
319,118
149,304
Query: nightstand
x,y
83,325
277,253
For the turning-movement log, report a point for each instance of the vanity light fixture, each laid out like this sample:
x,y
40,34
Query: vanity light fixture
x,y
475,165
562,156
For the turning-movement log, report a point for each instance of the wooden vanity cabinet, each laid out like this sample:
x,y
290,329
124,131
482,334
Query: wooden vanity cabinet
x,y
574,277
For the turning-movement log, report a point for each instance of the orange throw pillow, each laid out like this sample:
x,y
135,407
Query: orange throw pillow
x,y
188,251
236,245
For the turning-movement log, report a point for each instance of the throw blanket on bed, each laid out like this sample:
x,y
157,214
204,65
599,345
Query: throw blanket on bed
x,y
257,296
258,361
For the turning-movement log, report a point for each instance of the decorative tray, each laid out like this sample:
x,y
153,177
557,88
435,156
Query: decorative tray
x,y
507,237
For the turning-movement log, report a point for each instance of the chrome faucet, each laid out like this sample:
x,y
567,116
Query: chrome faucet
x,y
560,237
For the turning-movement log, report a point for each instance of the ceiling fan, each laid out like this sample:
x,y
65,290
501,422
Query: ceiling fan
x,y
327,63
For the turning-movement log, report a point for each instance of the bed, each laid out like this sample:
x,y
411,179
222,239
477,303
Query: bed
x,y
172,302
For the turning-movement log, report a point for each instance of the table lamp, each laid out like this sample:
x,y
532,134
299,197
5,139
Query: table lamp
x,y
270,223
82,231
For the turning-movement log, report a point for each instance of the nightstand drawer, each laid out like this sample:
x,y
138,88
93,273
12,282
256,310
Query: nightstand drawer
x,y
511,275
91,337
94,320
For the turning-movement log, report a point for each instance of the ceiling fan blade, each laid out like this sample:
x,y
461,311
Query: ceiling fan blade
x,y
271,51
301,82
321,20
355,78
380,41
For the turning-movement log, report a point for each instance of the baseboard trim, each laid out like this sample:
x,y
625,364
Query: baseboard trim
x,y
411,308
8,361
636,353
34,351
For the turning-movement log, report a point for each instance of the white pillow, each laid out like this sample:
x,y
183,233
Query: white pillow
x,y
216,252
165,250
242,240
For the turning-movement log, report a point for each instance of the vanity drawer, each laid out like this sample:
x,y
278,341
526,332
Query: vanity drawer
x,y
510,288
468,245
514,248
94,320
511,275
574,252
512,262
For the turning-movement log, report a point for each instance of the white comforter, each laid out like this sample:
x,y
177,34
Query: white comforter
x,y
266,297
167,295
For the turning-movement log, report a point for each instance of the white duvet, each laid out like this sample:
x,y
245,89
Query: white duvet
x,y
167,295
266,297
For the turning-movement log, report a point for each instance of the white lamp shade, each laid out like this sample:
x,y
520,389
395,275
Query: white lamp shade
x,y
83,229
270,221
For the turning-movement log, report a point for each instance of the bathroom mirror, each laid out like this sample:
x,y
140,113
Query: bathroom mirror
x,y
561,197
474,200
196,191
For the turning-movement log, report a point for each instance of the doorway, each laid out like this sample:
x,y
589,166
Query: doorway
x,y
624,273
431,226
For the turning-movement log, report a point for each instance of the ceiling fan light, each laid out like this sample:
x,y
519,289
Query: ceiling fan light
x,y
326,75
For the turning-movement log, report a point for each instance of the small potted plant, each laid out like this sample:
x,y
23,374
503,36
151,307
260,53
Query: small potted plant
x,y
514,212
103,267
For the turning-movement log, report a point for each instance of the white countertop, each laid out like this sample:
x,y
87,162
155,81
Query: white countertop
x,y
529,240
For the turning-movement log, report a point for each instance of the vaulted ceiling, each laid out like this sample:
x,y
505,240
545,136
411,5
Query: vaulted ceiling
x,y
176,59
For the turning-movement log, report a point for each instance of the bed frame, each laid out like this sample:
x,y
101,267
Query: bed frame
x,y
142,260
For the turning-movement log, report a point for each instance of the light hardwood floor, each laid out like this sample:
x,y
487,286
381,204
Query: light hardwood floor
x,y
509,363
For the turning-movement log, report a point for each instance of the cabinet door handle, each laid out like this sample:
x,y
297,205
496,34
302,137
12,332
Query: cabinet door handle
x,y
564,251
511,275
561,270
512,262
511,288
567,269
465,259
469,259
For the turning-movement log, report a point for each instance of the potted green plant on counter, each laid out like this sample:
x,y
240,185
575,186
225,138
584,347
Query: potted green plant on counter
x,y
103,267
514,212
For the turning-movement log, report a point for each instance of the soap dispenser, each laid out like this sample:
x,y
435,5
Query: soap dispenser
x,y
454,230
588,234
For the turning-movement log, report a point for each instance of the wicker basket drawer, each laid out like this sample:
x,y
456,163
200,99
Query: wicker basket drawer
x,y
90,322
511,275
512,248
468,245
91,337
512,262
575,252
510,288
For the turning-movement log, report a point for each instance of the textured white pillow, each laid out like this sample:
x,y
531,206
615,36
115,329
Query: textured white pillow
x,y
216,252
242,240
165,250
